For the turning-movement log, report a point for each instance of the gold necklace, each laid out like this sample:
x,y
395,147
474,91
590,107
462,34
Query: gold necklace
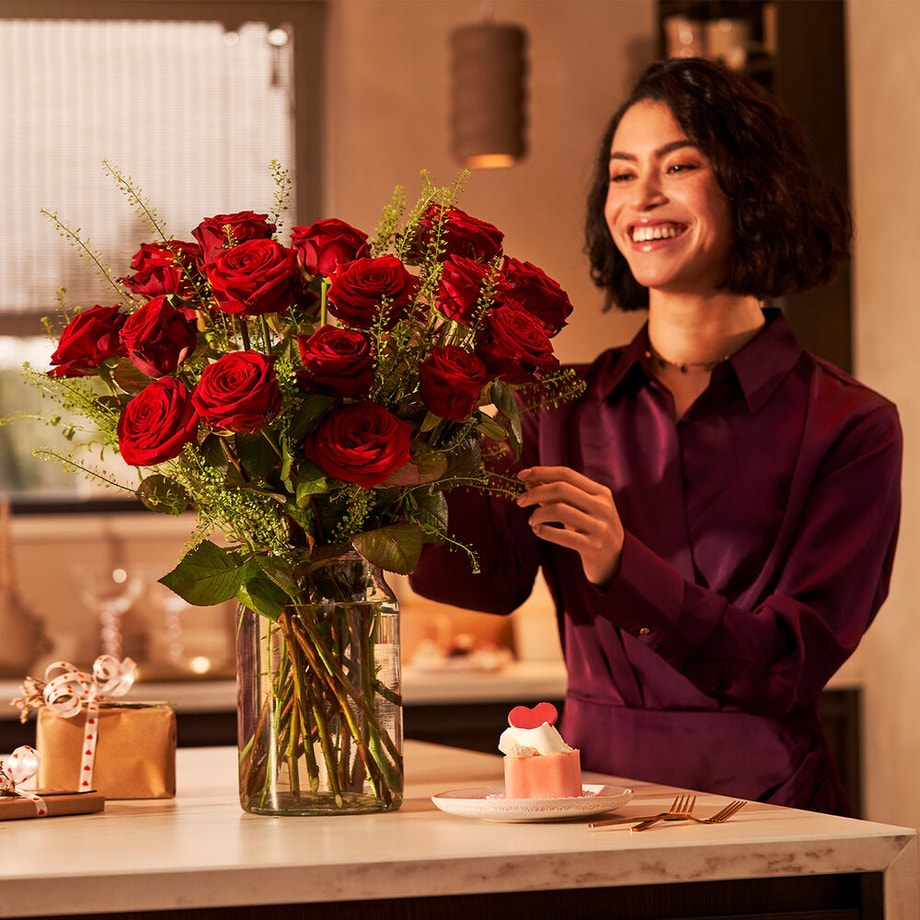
x,y
684,367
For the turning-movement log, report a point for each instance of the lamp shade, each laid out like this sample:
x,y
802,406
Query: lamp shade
x,y
488,117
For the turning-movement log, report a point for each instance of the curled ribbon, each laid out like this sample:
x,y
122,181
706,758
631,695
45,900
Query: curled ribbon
x,y
68,690
21,765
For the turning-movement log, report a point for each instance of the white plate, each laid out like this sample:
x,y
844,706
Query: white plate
x,y
491,804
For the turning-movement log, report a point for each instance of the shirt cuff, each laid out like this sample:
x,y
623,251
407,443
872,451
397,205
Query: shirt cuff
x,y
649,599
644,592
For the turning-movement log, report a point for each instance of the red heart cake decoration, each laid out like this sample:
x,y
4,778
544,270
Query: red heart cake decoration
x,y
526,717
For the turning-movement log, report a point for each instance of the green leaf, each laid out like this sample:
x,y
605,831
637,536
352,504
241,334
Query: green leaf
x,y
256,454
261,595
492,429
395,548
430,422
213,453
465,460
129,378
206,575
426,466
312,410
158,493
303,517
311,480
279,571
432,511
503,398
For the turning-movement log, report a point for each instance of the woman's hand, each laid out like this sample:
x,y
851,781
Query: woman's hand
x,y
574,511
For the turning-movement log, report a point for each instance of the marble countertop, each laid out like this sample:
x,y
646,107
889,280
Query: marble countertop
x,y
201,850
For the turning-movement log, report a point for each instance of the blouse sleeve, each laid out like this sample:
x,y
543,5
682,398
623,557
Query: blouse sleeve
x,y
773,658
506,554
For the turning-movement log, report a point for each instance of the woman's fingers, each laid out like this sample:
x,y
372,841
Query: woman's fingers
x,y
573,511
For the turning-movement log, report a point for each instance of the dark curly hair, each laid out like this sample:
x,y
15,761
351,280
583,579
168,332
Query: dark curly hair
x,y
791,227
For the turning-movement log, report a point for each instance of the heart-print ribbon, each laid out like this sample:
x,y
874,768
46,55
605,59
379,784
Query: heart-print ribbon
x,y
69,690
21,765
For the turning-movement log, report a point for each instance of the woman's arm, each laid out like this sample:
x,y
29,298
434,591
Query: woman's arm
x,y
506,553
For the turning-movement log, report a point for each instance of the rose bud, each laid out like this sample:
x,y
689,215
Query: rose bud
x,y
325,245
238,392
337,360
536,292
226,230
157,423
452,381
359,287
256,277
158,337
87,340
164,268
459,288
515,344
362,443
461,235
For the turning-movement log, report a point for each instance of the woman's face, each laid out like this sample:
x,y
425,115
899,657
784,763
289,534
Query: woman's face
x,y
665,210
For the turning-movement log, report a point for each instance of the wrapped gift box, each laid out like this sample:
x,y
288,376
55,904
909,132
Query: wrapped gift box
x,y
57,803
135,753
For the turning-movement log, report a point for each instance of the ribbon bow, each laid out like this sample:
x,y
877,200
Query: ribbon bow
x,y
21,765
67,690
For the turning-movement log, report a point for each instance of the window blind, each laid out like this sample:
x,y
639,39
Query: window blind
x,y
191,111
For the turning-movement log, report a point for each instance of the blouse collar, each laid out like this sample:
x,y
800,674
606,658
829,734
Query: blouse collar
x,y
759,366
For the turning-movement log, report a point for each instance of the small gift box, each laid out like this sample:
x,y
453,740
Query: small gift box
x,y
135,751
18,802
88,741
57,805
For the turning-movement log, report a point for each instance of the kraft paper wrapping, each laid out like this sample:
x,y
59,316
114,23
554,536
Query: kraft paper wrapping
x,y
57,803
135,751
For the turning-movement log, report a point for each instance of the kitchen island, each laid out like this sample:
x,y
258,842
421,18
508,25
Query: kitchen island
x,y
201,856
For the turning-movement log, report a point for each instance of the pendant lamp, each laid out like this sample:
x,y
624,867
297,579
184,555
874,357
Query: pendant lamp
x,y
488,117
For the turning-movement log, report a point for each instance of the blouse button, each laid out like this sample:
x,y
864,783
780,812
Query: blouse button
x,y
644,631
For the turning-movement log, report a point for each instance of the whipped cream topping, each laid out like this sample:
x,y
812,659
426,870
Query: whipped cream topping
x,y
532,742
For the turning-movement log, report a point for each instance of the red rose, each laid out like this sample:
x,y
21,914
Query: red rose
x,y
362,443
226,230
157,423
515,344
452,381
338,360
327,244
238,392
358,288
536,292
459,287
259,276
164,268
158,337
87,340
461,235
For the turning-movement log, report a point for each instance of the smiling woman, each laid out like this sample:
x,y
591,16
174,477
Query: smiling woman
x,y
716,516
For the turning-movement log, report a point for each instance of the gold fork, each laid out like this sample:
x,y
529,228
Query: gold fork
x,y
681,807
722,815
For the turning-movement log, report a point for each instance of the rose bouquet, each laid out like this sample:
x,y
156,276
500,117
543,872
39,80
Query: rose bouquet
x,y
312,398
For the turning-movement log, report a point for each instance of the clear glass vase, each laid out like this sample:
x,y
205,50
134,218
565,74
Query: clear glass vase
x,y
320,707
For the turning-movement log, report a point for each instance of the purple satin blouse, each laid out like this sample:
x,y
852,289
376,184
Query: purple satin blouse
x,y
760,535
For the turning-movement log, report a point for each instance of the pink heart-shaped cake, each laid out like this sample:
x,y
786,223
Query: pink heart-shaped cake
x,y
527,717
